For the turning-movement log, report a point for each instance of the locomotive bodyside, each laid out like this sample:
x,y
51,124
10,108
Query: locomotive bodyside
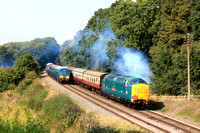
x,y
127,89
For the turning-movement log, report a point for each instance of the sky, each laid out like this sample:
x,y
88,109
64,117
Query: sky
x,y
25,20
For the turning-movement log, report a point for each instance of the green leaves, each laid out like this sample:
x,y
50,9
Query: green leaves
x,y
194,18
11,76
26,63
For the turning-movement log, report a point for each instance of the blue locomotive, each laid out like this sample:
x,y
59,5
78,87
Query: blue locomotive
x,y
127,89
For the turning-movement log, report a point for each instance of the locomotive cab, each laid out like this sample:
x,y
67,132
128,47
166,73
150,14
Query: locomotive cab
x,y
139,91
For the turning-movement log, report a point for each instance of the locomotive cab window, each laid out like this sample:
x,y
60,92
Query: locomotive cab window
x,y
142,81
132,82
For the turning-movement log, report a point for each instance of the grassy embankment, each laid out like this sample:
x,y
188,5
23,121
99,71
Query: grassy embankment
x,y
189,111
33,107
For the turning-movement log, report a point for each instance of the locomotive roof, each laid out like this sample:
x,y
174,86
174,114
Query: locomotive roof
x,y
79,70
119,78
94,73
48,64
59,67
70,68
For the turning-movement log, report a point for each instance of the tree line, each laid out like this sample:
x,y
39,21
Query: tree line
x,y
43,50
156,27
11,76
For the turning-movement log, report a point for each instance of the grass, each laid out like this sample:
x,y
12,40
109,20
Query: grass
x,y
164,110
60,107
187,111
15,125
22,102
58,112
196,117
1,108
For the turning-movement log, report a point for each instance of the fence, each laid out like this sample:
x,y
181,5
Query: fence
x,y
175,98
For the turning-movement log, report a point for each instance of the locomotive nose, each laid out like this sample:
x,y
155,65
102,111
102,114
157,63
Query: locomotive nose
x,y
140,92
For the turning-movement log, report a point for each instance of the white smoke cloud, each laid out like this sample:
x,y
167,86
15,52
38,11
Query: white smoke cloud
x,y
133,63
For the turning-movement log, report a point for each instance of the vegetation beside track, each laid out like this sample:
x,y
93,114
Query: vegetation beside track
x,y
183,110
33,107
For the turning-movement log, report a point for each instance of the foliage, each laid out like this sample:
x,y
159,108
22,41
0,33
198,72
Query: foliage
x,y
31,75
15,125
135,22
43,50
26,63
71,113
55,106
25,67
194,18
156,27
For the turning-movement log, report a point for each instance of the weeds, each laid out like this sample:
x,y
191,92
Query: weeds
x,y
29,124
196,117
187,111
41,95
1,108
164,110
54,106
71,114
22,102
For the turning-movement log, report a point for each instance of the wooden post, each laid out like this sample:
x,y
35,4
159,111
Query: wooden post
x,y
188,52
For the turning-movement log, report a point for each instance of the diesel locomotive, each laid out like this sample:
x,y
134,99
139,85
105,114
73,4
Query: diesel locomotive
x,y
59,73
133,91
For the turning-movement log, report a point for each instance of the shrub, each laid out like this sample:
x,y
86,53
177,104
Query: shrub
x,y
71,113
11,86
54,107
23,85
31,75
36,101
37,87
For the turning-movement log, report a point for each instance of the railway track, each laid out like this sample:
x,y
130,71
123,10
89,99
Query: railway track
x,y
148,120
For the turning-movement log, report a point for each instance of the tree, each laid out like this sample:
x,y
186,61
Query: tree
x,y
135,22
174,23
26,63
195,18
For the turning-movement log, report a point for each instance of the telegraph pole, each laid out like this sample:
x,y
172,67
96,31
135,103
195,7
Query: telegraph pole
x,y
188,52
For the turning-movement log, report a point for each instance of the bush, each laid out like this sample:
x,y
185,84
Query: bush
x,y
71,113
36,99
31,75
11,86
34,103
37,87
53,107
